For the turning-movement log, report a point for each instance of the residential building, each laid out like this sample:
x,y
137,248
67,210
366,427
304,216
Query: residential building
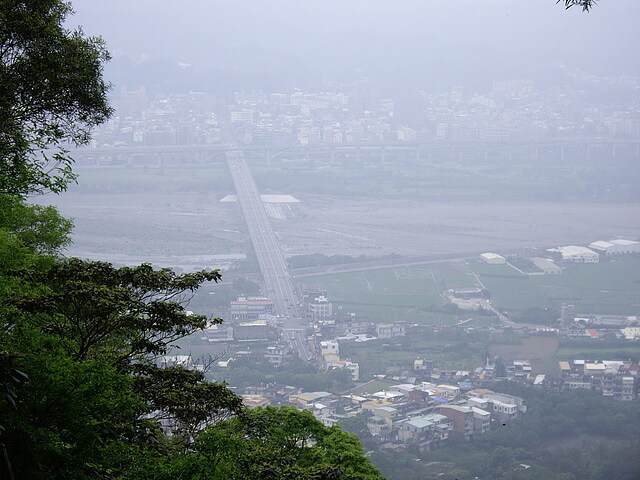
x,y
389,330
624,389
481,420
251,331
462,417
217,333
419,365
426,432
250,308
330,348
306,399
318,305
276,354
378,426
519,369
504,411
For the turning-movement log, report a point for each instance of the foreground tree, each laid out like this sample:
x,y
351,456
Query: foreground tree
x,y
125,312
586,5
51,94
275,443
84,334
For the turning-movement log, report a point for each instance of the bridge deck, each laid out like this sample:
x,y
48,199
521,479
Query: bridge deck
x,y
268,252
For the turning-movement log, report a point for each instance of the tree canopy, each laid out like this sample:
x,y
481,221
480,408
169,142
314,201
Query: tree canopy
x,y
51,94
276,443
586,5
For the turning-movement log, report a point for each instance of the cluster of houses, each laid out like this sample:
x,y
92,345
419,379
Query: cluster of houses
x,y
598,326
330,351
253,319
614,379
420,416
617,380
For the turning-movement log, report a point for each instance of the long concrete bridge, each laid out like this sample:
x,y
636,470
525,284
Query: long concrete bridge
x,y
273,266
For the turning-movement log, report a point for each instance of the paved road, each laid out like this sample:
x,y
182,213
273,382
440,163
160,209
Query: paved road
x,y
269,254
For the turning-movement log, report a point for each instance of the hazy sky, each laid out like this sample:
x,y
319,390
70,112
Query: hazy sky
x,y
395,43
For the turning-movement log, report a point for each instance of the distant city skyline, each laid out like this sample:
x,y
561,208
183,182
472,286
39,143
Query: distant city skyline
x,y
511,110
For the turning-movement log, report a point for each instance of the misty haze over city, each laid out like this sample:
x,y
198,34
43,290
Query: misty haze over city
x,y
425,214
487,95
277,46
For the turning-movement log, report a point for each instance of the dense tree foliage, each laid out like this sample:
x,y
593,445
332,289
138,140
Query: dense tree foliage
x,y
586,5
251,372
51,94
91,303
40,229
242,286
275,443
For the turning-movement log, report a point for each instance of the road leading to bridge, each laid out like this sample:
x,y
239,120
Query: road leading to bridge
x,y
269,253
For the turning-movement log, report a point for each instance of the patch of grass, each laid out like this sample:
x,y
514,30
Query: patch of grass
x,y
617,353
410,294
489,270
371,387
446,350
610,287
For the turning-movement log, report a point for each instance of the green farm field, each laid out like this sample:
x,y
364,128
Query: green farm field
x,y
611,287
631,351
462,353
411,293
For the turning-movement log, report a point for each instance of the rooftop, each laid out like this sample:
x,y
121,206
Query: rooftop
x,y
425,421
459,408
571,250
311,396
624,242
